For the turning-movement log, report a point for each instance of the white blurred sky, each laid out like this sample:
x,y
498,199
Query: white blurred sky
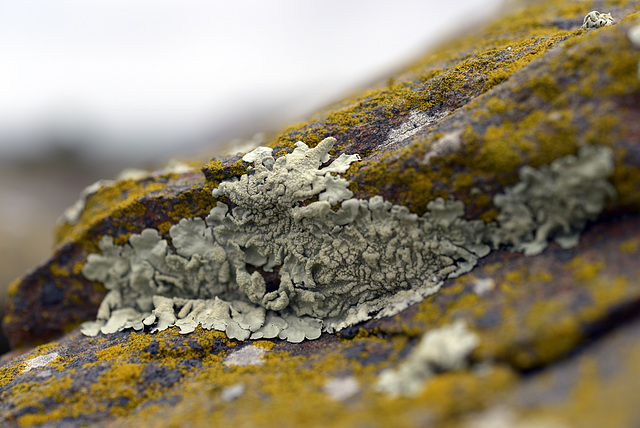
x,y
154,75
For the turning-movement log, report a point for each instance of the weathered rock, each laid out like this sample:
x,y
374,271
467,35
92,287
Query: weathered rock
x,y
558,333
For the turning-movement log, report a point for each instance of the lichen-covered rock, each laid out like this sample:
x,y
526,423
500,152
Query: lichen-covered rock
x,y
529,108
540,309
329,269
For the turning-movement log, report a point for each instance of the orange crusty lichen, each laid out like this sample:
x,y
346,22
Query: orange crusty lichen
x,y
194,203
8,372
217,172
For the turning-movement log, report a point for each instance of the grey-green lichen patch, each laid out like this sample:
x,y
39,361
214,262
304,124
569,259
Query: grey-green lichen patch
x,y
595,19
634,35
282,263
483,286
444,349
555,202
448,144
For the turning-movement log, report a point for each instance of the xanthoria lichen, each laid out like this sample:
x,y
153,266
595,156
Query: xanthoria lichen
x,y
283,263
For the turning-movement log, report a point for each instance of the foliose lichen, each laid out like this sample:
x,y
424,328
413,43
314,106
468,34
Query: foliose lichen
x,y
595,19
284,263
554,202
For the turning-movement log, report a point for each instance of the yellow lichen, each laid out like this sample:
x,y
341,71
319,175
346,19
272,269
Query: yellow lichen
x,y
266,344
8,372
630,246
119,200
119,385
32,394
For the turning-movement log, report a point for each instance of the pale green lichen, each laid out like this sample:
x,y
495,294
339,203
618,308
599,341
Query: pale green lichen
x,y
595,19
282,263
444,349
233,392
555,202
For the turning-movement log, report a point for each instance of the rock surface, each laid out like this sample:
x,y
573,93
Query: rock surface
x,y
558,333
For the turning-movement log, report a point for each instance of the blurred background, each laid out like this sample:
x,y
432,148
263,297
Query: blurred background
x,y
88,88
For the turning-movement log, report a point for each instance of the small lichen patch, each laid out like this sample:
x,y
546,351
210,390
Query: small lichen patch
x,y
40,361
342,388
482,286
232,392
445,145
595,19
444,349
247,356
415,123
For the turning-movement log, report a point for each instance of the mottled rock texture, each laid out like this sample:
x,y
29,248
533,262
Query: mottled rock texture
x,y
559,332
